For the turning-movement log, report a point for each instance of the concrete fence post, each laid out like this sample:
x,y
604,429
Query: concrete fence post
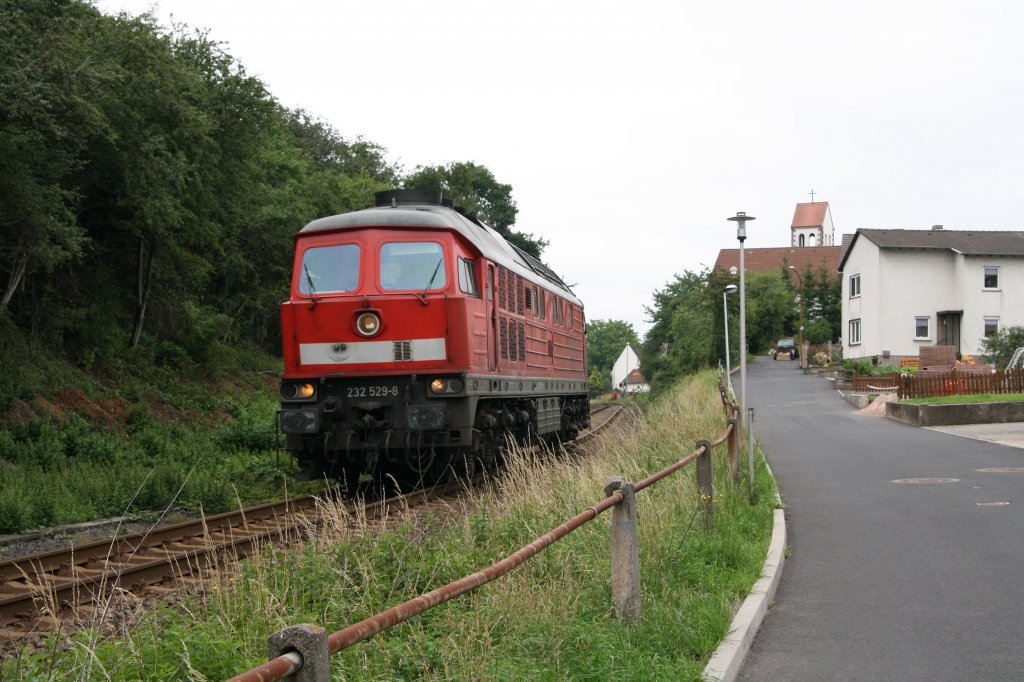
x,y
625,550
734,455
705,486
310,642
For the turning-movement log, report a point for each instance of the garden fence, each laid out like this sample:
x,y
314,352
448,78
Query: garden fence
x,y
954,382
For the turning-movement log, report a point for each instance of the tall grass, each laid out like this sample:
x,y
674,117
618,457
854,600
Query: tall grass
x,y
73,470
550,619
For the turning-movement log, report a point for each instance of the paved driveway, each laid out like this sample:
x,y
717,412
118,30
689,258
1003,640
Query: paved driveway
x,y
886,580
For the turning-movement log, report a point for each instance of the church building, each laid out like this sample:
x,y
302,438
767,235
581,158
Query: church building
x,y
812,244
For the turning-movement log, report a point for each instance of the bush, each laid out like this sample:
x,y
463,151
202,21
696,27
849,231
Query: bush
x,y
999,348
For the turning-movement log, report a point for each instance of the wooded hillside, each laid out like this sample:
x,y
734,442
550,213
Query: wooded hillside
x,y
149,188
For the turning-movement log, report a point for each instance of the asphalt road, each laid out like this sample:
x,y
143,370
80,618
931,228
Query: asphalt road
x,y
886,580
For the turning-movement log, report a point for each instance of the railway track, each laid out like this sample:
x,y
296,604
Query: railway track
x,y
37,591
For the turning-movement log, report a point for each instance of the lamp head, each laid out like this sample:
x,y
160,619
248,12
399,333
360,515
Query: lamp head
x,y
731,289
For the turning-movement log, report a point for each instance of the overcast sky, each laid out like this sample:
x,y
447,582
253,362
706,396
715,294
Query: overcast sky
x,y
630,131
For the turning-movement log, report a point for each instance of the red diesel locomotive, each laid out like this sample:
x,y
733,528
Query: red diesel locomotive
x,y
416,340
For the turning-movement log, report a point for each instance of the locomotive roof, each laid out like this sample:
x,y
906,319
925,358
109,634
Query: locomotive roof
x,y
491,244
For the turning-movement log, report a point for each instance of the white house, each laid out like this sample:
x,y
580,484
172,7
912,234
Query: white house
x,y
627,362
636,383
903,289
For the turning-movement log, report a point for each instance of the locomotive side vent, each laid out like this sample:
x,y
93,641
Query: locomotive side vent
x,y
403,350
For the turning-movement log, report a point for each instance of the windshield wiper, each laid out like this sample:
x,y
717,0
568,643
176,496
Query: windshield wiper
x,y
309,281
437,268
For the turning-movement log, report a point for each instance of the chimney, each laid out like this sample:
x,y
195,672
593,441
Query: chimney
x,y
936,228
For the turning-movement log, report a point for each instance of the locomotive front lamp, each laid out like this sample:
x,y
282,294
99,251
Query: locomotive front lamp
x,y
444,385
368,324
291,391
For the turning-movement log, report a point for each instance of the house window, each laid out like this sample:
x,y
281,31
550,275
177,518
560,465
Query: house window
x,y
854,286
991,277
991,326
801,240
921,328
854,332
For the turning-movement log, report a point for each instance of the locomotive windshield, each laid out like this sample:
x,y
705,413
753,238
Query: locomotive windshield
x,y
327,269
417,266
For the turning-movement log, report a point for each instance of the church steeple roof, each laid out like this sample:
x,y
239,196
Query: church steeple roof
x,y
810,214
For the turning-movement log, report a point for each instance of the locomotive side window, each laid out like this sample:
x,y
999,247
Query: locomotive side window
x,y
535,304
543,305
417,266
490,283
572,317
329,269
467,277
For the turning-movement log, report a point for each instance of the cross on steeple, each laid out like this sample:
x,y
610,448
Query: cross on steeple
x,y
812,193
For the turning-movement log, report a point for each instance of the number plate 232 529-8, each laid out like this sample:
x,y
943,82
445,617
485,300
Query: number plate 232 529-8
x,y
371,392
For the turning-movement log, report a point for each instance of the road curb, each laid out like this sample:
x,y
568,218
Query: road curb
x,y
728,658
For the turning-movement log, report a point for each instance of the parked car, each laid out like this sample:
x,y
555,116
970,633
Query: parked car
x,y
784,348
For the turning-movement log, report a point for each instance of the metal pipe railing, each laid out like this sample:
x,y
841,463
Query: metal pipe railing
x,y
292,662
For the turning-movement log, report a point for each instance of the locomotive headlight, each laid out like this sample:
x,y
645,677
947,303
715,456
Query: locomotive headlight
x,y
447,386
297,391
368,324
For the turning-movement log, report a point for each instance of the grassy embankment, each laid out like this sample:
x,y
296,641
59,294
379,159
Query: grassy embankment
x,y
135,437
957,399
550,619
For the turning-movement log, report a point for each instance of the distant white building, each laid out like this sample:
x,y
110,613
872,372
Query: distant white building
x,y
627,364
903,289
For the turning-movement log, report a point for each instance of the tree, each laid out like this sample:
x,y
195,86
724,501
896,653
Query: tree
x,y
771,309
680,340
45,117
475,189
605,341
597,381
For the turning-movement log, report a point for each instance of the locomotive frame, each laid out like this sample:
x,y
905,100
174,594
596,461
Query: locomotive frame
x,y
395,365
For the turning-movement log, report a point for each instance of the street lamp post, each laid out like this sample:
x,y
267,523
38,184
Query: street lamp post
x,y
741,219
802,363
729,289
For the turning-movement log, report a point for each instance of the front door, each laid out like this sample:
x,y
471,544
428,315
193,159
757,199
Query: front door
x,y
949,330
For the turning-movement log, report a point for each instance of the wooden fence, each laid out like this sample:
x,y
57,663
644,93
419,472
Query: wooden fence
x,y
954,382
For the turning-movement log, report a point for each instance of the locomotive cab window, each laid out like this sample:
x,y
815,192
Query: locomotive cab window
x,y
415,266
467,277
329,269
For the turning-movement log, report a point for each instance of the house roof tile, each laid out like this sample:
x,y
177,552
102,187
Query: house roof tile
x,y
635,377
800,257
967,242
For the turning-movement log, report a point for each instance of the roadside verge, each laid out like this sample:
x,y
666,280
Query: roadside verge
x,y
728,658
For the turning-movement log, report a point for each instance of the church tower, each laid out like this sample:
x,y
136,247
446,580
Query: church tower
x,y
812,225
